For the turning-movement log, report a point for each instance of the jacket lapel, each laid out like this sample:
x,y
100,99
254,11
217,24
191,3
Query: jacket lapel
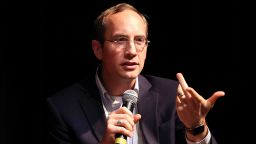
x,y
147,108
91,105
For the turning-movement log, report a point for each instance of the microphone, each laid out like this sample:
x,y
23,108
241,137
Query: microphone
x,y
129,98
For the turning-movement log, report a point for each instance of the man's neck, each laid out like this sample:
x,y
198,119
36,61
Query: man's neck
x,y
116,87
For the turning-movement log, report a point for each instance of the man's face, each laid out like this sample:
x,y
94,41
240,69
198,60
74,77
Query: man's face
x,y
119,60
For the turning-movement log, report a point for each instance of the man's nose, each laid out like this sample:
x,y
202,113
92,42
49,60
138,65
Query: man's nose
x,y
131,47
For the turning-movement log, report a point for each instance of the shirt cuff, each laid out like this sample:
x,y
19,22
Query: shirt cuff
x,y
206,140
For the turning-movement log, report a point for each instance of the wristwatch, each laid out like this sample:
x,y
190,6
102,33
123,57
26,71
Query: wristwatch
x,y
196,130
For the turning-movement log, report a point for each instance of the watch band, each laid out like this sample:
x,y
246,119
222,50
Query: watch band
x,y
196,130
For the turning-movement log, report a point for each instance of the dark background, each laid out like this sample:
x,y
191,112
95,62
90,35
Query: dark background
x,y
48,48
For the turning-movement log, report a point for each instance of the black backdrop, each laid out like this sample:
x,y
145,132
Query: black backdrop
x,y
49,48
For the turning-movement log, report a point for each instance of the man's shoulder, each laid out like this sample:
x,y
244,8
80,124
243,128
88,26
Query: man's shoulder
x,y
165,88
74,90
158,83
70,92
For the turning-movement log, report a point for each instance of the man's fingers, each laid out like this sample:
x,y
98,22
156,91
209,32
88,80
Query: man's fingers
x,y
178,100
136,117
210,101
119,129
123,110
196,95
182,81
214,97
180,92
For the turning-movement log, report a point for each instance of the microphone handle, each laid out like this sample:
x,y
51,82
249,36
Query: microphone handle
x,y
121,139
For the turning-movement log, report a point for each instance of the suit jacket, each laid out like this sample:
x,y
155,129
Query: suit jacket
x,y
76,114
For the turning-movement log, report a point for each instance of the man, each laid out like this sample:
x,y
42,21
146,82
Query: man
x,y
91,111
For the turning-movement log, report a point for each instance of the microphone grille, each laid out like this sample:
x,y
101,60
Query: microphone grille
x,y
130,95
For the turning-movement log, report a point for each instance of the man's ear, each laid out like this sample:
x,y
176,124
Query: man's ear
x,y
97,49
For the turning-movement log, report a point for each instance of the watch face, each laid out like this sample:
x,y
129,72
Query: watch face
x,y
198,130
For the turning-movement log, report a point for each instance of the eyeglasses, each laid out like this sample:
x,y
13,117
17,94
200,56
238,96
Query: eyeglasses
x,y
122,42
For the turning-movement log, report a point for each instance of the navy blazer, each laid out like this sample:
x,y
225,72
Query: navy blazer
x,y
76,115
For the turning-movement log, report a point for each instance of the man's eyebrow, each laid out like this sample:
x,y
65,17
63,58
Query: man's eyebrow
x,y
120,35
126,36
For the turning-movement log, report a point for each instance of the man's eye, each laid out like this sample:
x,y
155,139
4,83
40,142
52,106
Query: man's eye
x,y
140,39
121,39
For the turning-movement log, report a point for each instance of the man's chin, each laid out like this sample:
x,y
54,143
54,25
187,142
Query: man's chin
x,y
130,75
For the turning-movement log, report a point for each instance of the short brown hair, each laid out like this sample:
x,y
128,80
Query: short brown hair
x,y
99,23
